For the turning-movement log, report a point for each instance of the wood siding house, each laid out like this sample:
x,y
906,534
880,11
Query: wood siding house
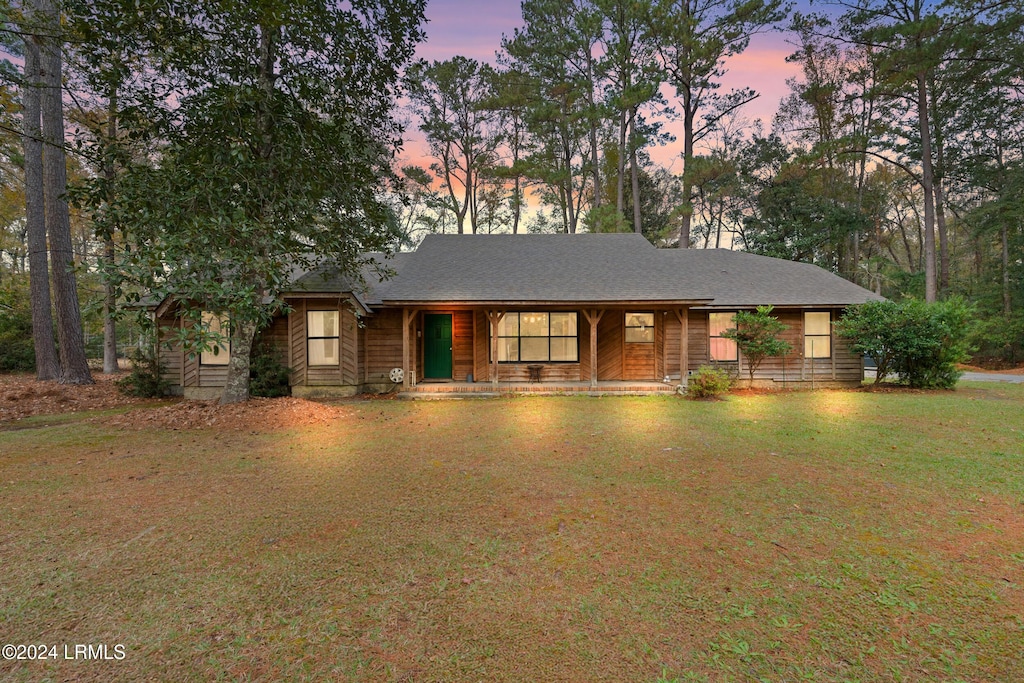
x,y
592,311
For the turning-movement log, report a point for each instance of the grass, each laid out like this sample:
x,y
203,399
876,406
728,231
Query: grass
x,y
828,536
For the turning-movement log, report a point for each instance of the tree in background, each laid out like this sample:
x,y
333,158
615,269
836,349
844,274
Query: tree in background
x,y
449,98
694,38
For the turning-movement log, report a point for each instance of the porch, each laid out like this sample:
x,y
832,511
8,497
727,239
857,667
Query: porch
x,y
552,388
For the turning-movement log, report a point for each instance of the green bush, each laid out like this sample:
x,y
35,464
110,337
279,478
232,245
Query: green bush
x,y
919,343
146,377
756,333
708,382
268,377
998,341
17,353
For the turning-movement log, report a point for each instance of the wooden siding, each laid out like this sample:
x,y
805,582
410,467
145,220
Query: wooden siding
x,y
843,366
609,345
482,370
172,357
297,341
583,327
383,344
550,372
462,345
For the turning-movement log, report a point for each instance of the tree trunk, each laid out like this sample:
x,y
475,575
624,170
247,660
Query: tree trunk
x,y
47,365
109,291
687,198
927,184
74,367
634,174
236,386
1005,237
620,168
594,123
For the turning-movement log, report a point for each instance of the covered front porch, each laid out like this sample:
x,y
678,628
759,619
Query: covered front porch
x,y
451,389
638,347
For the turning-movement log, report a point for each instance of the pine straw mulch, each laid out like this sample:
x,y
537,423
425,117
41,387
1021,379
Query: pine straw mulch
x,y
22,396
254,415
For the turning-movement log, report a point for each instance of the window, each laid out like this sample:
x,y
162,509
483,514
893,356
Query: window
x,y
322,337
721,349
219,354
640,328
817,334
538,337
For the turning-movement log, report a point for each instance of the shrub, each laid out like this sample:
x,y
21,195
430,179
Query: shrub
x,y
757,336
708,382
268,377
17,353
919,343
146,378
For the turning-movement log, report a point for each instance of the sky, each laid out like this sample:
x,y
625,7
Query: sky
x,y
474,29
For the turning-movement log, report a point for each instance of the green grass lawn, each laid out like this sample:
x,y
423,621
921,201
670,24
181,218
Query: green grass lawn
x,y
828,536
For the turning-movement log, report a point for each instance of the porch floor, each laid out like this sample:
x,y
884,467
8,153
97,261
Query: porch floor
x,y
481,389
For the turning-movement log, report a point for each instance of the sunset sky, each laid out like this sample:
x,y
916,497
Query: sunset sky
x,y
474,29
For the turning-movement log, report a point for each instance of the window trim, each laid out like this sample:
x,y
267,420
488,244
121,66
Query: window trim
x,y
222,358
310,364
818,336
627,327
519,337
735,346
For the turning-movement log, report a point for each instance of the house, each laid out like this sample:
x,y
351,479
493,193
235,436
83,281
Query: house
x,y
581,311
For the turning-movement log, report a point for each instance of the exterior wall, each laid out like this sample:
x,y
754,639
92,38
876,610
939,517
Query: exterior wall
x,y
843,368
172,356
383,346
609,345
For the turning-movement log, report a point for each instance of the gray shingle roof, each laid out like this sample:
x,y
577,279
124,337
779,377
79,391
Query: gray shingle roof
x,y
605,268
586,268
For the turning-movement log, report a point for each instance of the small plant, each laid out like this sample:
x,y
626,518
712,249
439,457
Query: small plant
x,y
268,377
708,382
146,379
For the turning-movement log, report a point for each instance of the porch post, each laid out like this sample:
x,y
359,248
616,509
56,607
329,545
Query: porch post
x,y
408,315
494,317
593,317
684,347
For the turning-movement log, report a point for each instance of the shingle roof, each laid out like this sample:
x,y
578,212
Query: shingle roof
x,y
585,268
605,268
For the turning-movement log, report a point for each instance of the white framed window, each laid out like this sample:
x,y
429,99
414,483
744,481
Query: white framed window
x,y
720,348
220,354
322,338
817,334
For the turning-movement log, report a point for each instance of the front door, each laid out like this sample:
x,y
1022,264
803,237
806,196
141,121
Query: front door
x,y
437,346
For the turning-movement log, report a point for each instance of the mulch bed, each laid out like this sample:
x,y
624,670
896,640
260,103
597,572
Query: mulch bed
x,y
255,415
22,396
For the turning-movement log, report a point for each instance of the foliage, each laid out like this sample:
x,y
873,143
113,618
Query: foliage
x,y
269,376
708,382
146,379
998,341
920,343
17,353
757,336
276,154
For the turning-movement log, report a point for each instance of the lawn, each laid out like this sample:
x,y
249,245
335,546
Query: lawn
x,y
826,536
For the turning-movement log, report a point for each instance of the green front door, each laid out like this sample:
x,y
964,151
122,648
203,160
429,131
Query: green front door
x,y
437,346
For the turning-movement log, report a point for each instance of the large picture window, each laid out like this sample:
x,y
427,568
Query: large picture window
x,y
720,348
640,328
538,338
817,334
322,337
220,354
